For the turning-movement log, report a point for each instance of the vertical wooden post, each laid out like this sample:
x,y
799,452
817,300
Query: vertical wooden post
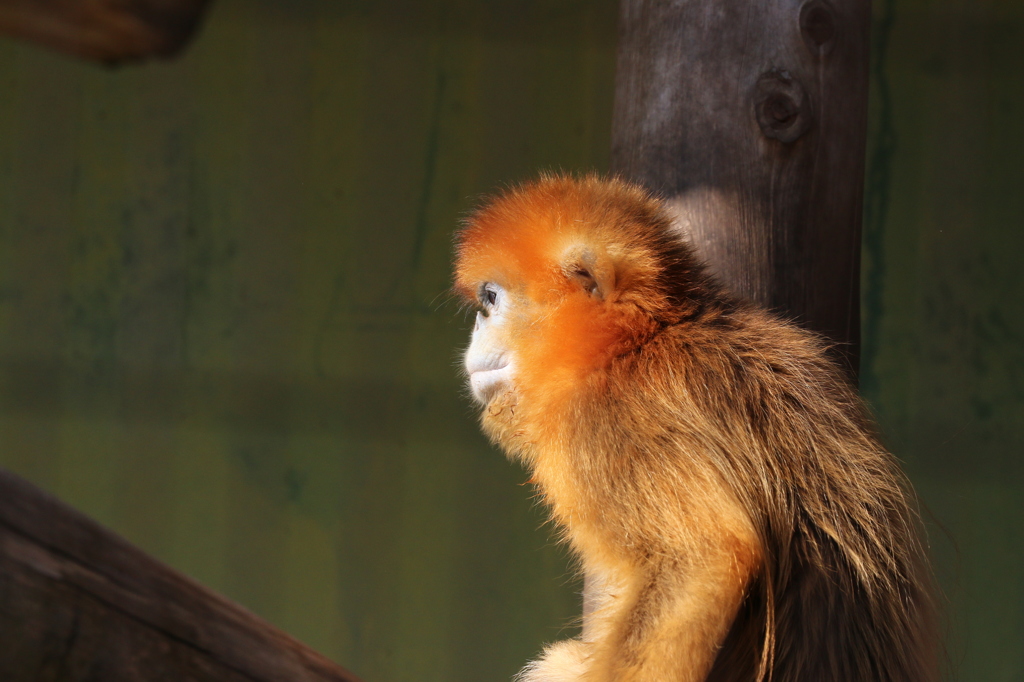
x,y
751,116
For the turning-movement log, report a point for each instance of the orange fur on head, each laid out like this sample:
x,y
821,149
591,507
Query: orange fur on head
x,y
712,469
533,243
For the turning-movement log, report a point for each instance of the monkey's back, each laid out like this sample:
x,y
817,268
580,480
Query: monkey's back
x,y
845,594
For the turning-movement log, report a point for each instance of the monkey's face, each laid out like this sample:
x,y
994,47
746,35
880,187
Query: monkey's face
x,y
527,329
537,338
490,362
565,276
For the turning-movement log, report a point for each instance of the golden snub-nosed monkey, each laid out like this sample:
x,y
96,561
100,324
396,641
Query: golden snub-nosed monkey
x,y
711,468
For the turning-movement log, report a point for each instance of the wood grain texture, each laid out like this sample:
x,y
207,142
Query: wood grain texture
x,y
79,603
108,31
751,117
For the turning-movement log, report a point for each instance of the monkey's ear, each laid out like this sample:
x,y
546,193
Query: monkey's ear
x,y
584,267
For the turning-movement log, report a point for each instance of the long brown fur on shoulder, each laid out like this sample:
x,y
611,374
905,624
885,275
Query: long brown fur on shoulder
x,y
712,469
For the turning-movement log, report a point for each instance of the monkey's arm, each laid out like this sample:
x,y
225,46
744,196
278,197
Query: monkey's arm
x,y
673,615
663,619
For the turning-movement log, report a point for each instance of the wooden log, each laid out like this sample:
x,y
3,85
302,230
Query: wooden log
x,y
78,603
751,115
108,31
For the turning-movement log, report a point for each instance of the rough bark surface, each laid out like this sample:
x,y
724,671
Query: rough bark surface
x,y
78,603
108,31
751,116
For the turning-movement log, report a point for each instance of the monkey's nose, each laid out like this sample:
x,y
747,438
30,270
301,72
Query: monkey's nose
x,y
479,317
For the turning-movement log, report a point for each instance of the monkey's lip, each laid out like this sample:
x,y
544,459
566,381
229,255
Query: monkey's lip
x,y
485,383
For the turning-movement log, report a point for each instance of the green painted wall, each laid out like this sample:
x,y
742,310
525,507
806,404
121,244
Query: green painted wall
x,y
224,326
944,300
224,330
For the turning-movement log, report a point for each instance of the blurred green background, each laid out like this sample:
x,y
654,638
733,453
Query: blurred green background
x,y
225,332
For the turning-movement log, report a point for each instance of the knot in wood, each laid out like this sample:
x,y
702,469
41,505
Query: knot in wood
x,y
818,26
780,105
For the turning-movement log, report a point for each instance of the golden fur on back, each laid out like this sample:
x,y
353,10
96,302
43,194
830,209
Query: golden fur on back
x,y
706,461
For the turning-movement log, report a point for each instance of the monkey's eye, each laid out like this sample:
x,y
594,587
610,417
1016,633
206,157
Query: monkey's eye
x,y
488,295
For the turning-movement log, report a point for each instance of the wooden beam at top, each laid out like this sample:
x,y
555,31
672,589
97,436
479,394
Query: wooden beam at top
x,y
107,31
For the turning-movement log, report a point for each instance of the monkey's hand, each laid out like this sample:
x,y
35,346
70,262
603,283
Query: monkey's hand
x,y
565,661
